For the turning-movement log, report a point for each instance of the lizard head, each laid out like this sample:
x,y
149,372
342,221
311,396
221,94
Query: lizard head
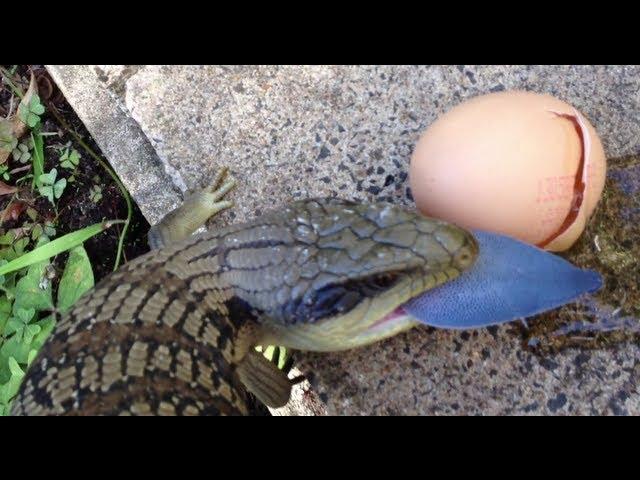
x,y
339,272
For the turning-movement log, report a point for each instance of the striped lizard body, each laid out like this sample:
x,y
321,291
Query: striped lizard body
x,y
172,332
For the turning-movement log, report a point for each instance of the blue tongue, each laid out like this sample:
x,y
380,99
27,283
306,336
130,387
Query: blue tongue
x,y
510,280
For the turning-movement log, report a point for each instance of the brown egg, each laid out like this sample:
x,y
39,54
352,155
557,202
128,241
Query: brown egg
x,y
518,163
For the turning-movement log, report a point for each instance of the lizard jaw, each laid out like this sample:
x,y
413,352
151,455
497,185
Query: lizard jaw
x,y
391,324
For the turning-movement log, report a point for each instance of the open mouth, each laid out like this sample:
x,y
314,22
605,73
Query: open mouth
x,y
389,321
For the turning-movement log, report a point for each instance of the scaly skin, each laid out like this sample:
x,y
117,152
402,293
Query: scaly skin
x,y
167,332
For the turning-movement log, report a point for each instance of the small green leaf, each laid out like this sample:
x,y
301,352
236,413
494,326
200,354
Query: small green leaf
x,y
37,231
25,157
13,325
14,368
14,347
32,120
16,249
5,312
74,157
59,187
23,112
24,353
42,240
67,164
30,331
95,194
46,327
30,114
20,245
8,238
8,141
32,213
29,293
10,389
35,106
47,192
25,314
33,353
8,144
9,287
76,279
48,178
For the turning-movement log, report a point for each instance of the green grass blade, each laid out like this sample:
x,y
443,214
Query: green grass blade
x,y
38,155
55,247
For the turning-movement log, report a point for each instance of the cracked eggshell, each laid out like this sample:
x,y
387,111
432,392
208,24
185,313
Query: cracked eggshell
x,y
522,164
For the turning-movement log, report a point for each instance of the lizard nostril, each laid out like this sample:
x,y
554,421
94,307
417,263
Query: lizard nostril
x,y
464,258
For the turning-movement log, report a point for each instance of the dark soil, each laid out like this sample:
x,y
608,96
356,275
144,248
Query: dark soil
x,y
75,208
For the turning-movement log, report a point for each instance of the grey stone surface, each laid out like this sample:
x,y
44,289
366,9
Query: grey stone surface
x,y
449,373
301,131
120,138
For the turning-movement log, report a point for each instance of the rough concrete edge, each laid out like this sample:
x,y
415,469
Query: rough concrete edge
x,y
119,137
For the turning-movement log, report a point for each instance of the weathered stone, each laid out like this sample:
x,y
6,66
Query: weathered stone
x,y
301,131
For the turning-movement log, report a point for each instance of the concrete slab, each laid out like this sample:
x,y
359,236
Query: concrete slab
x,y
120,138
300,131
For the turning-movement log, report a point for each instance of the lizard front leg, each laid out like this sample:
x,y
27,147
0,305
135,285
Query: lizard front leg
x,y
261,377
198,207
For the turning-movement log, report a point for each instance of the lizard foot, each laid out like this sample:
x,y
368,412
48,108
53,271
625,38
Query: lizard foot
x,y
197,207
265,379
